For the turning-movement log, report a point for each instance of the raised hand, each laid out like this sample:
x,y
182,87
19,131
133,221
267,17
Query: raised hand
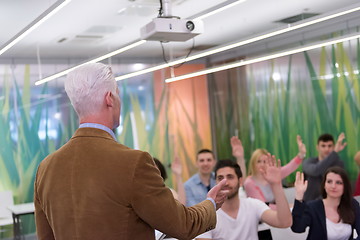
x,y
301,146
300,186
176,166
340,145
237,147
272,170
218,194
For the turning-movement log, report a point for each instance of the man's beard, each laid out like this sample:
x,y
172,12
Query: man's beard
x,y
234,194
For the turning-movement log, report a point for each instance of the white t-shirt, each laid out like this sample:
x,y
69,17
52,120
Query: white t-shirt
x,y
338,231
245,226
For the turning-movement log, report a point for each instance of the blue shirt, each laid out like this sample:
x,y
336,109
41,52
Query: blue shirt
x,y
195,190
98,126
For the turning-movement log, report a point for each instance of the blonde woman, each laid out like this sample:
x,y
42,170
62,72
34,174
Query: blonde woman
x,y
256,185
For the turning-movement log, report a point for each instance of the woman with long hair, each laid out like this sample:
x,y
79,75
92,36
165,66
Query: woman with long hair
x,y
255,184
335,216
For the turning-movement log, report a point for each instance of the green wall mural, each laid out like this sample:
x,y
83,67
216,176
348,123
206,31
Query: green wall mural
x,y
269,103
317,91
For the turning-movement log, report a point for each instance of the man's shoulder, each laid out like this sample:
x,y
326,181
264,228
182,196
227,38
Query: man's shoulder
x,y
192,180
109,149
311,160
252,202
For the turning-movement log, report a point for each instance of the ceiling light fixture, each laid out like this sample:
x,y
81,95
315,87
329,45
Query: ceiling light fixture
x,y
216,9
34,24
238,44
263,58
98,59
202,15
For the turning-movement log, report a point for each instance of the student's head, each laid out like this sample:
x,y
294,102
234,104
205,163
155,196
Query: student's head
x,y
257,161
92,88
357,158
161,168
205,161
229,170
325,145
336,185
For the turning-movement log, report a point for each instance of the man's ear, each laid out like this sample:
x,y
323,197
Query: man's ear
x,y
108,99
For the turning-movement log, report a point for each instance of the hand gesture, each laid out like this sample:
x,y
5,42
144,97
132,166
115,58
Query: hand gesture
x,y
301,146
340,145
300,186
272,171
237,147
218,194
176,166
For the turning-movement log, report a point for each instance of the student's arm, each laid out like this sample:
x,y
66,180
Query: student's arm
x,y
280,218
357,218
301,219
340,144
238,153
313,167
296,161
176,168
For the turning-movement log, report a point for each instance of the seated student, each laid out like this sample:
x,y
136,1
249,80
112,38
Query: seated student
x,y
199,184
177,171
197,187
333,217
256,186
315,167
238,218
357,184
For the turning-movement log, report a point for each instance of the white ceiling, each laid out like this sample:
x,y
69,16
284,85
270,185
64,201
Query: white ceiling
x,y
101,18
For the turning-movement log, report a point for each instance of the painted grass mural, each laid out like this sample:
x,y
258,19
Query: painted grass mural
x,y
149,127
318,92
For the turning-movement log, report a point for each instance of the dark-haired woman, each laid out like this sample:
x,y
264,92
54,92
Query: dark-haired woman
x,y
335,216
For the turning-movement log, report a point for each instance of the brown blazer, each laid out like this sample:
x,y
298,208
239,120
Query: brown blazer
x,y
96,188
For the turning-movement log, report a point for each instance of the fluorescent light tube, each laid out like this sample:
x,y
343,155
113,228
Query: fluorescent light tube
x,y
216,9
260,59
213,10
33,25
237,44
98,59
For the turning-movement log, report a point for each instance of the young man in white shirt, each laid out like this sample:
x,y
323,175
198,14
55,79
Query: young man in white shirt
x,y
239,218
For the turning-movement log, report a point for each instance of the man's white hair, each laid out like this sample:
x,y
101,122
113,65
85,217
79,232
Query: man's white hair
x,y
86,87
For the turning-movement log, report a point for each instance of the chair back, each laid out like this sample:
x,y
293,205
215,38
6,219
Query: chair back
x,y
6,199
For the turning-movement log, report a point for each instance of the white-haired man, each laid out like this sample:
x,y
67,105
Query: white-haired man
x,y
95,188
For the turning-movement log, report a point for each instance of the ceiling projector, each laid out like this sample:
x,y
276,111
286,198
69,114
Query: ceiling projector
x,y
167,29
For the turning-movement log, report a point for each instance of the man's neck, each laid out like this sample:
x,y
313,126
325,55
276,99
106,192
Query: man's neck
x,y
95,119
231,206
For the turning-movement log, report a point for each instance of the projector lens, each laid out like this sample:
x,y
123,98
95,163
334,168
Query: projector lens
x,y
190,25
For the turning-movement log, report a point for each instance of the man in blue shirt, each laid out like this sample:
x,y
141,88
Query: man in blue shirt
x,y
197,187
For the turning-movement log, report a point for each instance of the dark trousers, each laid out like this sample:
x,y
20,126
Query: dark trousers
x,y
265,235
